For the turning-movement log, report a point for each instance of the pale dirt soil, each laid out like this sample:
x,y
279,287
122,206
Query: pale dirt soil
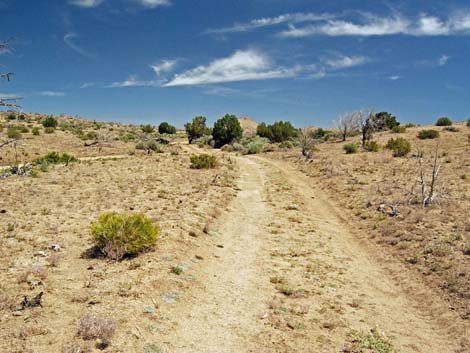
x,y
270,263
433,242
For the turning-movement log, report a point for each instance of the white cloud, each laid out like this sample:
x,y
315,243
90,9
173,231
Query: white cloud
x,y
10,96
243,65
394,78
443,60
271,21
133,81
154,3
51,94
344,62
86,3
68,40
163,66
371,25
88,85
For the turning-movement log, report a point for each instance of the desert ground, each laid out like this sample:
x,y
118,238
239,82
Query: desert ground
x,y
268,252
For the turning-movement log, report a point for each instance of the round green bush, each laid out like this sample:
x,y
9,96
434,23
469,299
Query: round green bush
x,y
13,133
428,134
49,130
35,131
165,128
125,234
350,148
399,146
371,146
50,121
444,121
203,161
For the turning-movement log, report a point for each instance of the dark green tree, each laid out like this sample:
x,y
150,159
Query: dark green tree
x,y
280,131
165,128
226,130
385,121
50,121
197,128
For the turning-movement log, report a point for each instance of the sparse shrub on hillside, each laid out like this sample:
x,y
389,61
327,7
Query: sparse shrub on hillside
x,y
321,134
36,131
49,130
399,146
50,121
226,130
127,137
203,161
93,326
409,125
205,140
444,121
385,121
286,145
428,134
13,133
10,117
90,135
197,128
238,147
23,129
55,158
451,129
165,128
255,145
148,129
1,127
126,234
399,129
468,123
371,146
148,146
350,148
278,132
140,146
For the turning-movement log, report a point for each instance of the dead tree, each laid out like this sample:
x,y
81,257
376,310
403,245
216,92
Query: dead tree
x,y
429,196
367,124
347,124
6,101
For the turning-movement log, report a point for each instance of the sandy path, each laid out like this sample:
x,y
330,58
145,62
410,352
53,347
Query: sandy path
x,y
224,315
229,312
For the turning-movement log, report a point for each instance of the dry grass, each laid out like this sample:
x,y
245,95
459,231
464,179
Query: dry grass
x,y
57,207
434,240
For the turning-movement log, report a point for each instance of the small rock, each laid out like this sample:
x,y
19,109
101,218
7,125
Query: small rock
x,y
17,313
55,247
220,246
41,253
150,309
294,206
199,257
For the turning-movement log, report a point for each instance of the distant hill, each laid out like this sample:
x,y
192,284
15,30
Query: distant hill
x,y
249,126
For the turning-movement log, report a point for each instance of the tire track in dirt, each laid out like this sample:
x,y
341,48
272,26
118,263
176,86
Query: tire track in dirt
x,y
232,309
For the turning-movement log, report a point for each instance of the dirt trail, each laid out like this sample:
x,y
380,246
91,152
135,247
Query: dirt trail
x,y
279,226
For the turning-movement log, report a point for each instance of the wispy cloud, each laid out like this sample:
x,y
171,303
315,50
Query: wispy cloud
x,y
443,60
343,62
164,65
243,65
51,94
88,85
271,21
372,25
69,41
133,81
394,78
154,3
86,3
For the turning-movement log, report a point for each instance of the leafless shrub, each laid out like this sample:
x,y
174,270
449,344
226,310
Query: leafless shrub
x,y
96,326
347,124
53,260
307,143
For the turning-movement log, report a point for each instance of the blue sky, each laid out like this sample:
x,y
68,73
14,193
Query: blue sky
x,y
146,61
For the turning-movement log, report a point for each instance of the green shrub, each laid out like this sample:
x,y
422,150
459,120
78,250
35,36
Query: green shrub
x,y
127,137
428,134
203,161
399,146
409,125
254,147
13,133
55,158
278,132
165,128
148,129
371,146
226,130
384,120
399,129
35,131
49,130
153,146
468,123
126,234
11,117
23,129
350,148
197,128
444,121
238,147
141,146
90,135
451,129
50,121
